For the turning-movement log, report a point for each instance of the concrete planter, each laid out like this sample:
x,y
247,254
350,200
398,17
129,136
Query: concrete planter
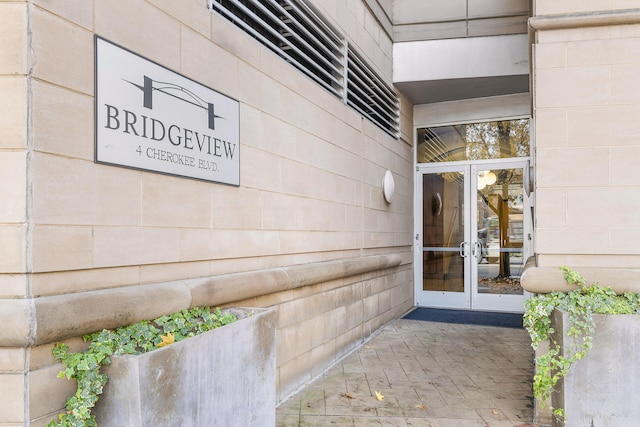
x,y
602,389
225,377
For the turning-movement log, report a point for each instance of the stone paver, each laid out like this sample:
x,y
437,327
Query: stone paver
x,y
430,374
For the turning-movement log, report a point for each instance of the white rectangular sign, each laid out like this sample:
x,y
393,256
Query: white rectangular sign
x,y
151,118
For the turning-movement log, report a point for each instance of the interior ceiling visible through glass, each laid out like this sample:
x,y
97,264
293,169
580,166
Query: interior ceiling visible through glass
x,y
474,141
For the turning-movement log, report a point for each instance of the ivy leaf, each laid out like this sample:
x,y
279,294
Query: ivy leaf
x,y
167,339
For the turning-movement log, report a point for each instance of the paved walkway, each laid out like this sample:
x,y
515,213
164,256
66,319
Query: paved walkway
x,y
430,374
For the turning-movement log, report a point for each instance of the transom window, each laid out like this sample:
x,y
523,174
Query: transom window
x,y
474,141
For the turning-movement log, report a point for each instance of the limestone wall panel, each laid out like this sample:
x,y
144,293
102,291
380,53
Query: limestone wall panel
x,y
268,133
625,31
574,240
55,42
155,273
589,86
547,7
13,286
105,195
603,207
65,282
13,111
227,36
73,248
596,261
175,202
624,166
13,248
253,174
550,55
13,186
13,33
12,359
80,12
63,121
293,242
570,35
624,240
278,211
207,244
322,356
141,27
41,400
121,246
230,204
625,88
551,207
193,13
259,243
572,167
12,404
207,63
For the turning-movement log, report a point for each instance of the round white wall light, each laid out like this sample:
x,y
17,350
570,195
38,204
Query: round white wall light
x,y
388,186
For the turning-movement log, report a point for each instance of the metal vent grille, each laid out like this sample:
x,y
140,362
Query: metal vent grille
x,y
298,34
371,96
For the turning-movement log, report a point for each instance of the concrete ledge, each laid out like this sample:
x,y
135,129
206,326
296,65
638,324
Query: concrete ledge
x,y
589,19
228,288
73,315
542,280
36,321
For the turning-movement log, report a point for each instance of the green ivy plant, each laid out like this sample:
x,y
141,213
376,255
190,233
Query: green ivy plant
x,y
137,338
580,304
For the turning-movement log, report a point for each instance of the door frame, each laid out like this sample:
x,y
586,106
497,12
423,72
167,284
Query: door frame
x,y
470,298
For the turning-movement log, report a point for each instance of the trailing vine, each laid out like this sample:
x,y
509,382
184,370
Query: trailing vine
x,y
138,338
580,304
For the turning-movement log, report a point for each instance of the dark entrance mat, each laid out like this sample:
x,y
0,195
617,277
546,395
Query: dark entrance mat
x,y
467,317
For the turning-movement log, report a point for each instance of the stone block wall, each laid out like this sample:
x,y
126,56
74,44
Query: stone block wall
x,y
586,103
87,245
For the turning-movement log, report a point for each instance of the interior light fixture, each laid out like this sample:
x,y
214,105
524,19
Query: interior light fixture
x,y
490,178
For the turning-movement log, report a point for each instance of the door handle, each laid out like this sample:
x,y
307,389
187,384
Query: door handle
x,y
463,249
477,250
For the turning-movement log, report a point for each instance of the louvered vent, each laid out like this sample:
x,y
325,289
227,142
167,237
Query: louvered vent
x,y
293,30
369,95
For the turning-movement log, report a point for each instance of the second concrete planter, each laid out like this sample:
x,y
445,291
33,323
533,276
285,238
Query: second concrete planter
x,y
601,390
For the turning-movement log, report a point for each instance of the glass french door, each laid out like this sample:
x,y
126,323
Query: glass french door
x,y
474,235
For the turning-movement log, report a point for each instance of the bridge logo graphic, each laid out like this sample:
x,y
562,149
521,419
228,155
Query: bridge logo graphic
x,y
176,91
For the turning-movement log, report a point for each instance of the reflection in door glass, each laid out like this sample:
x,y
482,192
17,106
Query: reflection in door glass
x,y
500,231
443,231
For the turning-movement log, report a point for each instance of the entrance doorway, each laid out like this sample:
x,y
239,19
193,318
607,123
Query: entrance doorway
x,y
473,232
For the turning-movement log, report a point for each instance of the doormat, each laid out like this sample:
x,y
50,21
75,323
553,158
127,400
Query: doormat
x,y
467,317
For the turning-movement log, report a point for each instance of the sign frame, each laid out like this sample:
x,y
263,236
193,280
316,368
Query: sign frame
x,y
151,118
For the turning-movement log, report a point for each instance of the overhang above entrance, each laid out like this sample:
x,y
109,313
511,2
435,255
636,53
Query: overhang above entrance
x,y
464,68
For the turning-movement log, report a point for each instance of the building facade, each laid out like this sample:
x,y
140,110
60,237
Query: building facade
x,y
333,199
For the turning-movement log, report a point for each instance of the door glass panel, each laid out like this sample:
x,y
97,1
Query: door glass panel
x,y
474,141
443,232
500,231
